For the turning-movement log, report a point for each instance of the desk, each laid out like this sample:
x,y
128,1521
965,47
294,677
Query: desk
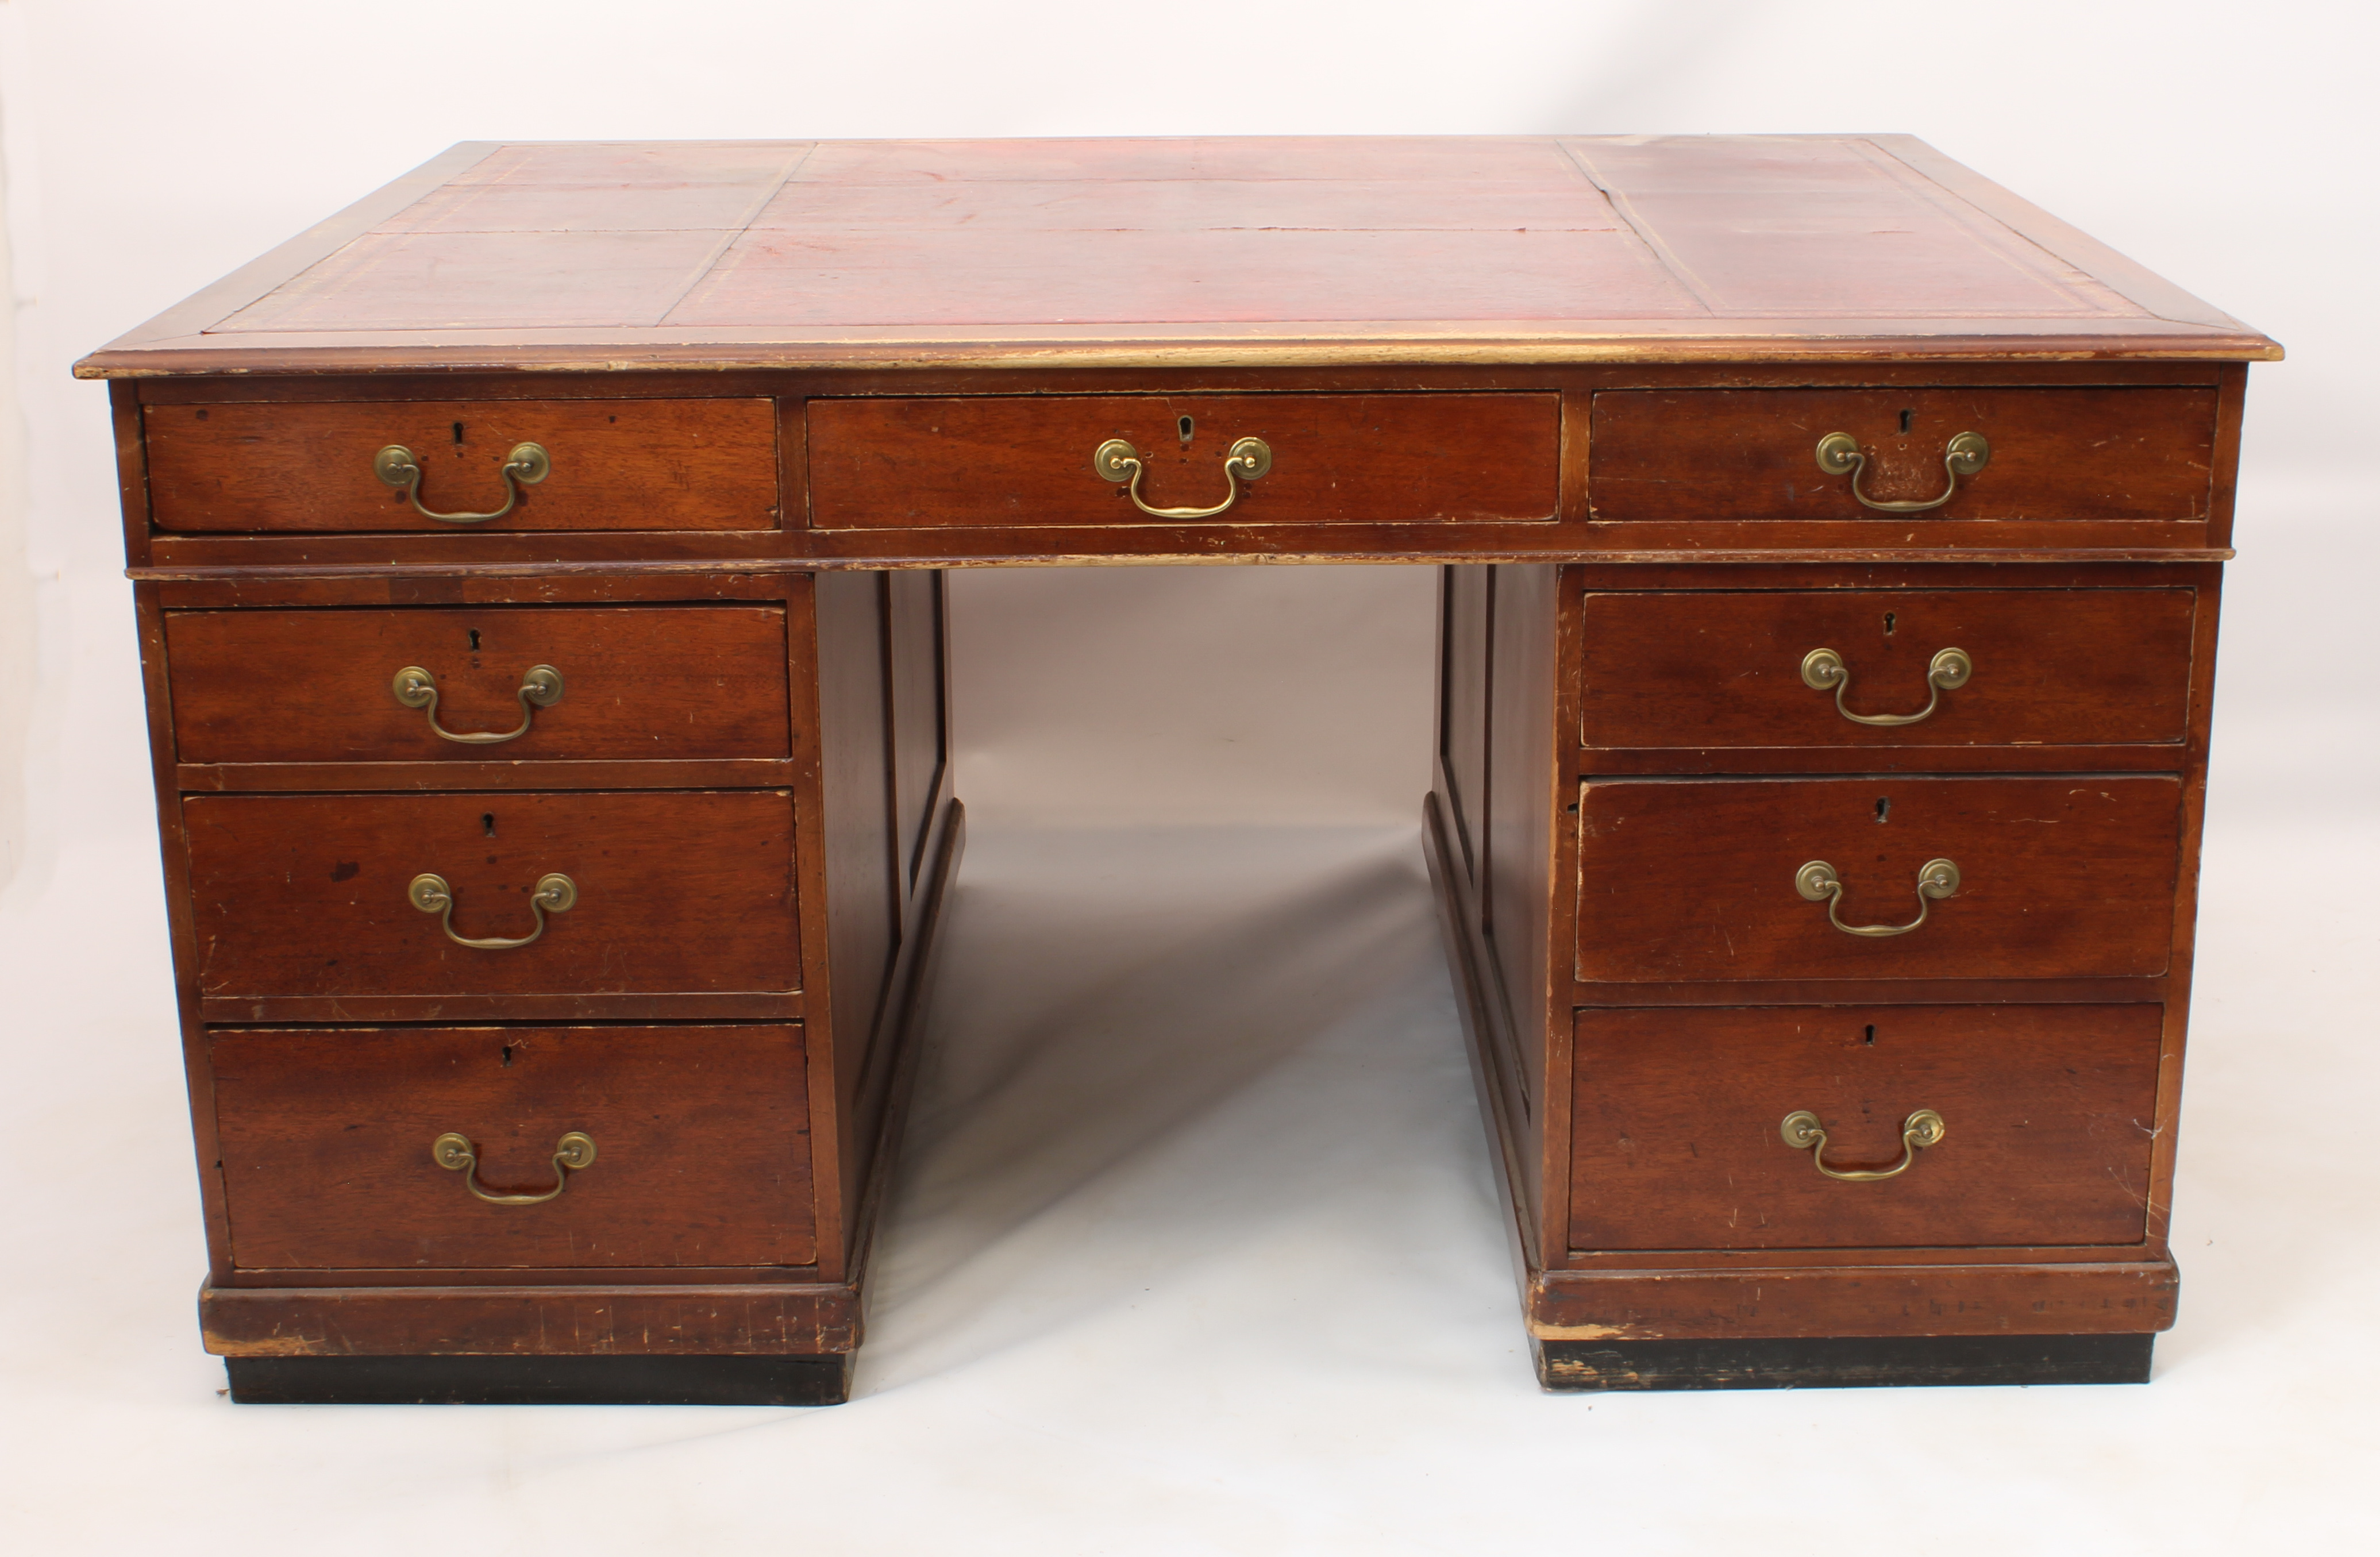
x,y
540,569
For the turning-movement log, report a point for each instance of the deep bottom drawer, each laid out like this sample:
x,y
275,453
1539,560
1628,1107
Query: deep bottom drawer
x,y
700,1151
2048,1114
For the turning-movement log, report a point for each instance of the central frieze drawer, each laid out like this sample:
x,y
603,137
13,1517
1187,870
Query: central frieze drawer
x,y
606,465
667,892
2051,877
700,1149
519,684
2047,1114
1031,461
2104,452
1881,668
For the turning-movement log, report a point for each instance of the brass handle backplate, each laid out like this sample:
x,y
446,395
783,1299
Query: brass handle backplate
x,y
1839,453
1116,460
541,688
1802,1132
1823,670
527,464
555,893
1816,881
573,1153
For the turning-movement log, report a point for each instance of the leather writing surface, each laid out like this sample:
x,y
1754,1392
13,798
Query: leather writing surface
x,y
1627,247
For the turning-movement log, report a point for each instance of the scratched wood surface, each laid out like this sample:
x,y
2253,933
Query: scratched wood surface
x,y
2052,668
2049,1111
306,894
702,1155
643,683
1709,455
1009,460
1695,879
1316,250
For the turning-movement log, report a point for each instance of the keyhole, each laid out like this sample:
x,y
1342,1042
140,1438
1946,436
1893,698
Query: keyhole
x,y
1185,427
458,432
474,635
487,823
508,1048
1883,810
1887,630
1871,1038
1905,420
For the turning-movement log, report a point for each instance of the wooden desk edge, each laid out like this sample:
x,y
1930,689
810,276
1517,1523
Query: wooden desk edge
x,y
297,571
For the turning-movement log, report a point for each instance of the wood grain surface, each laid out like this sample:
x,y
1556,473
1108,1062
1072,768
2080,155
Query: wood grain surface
x,y
2127,1296
1717,454
658,683
662,464
2050,1111
305,894
1694,879
591,1318
701,1135
1723,668
1336,458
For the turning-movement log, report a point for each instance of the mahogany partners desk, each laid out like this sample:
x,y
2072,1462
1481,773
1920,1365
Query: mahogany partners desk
x,y
539,579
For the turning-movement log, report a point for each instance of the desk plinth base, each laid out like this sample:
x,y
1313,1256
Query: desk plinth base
x,y
1843,1362
540,1380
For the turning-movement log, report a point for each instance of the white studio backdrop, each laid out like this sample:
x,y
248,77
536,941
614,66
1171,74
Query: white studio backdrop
x,y
147,147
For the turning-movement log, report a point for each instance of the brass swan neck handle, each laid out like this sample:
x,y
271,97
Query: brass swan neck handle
x,y
525,466
541,688
1802,1132
574,1152
1816,882
555,893
1823,670
1247,460
1839,454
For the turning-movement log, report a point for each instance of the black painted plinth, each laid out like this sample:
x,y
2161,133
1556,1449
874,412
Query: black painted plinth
x,y
1843,1362
540,1380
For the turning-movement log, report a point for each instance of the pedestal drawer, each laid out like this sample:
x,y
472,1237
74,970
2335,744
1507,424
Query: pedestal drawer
x,y
1693,669
2140,453
1684,879
1327,459
258,465
321,894
521,684
2046,1116
699,1151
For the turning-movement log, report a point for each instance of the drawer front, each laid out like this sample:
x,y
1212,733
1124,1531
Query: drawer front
x,y
2048,1120
2040,667
311,895
1751,453
614,465
2048,1113
1692,880
702,1147
652,682
1334,459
